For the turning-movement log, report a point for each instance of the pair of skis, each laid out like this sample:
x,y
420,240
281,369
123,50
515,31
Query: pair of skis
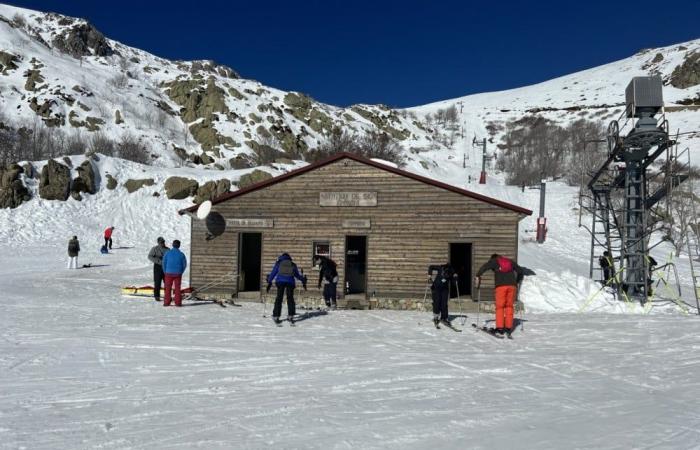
x,y
491,332
448,325
290,320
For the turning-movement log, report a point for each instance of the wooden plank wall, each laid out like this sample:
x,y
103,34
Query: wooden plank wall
x,y
411,228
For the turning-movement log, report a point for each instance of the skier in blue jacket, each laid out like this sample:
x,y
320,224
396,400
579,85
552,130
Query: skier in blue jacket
x,y
283,274
174,265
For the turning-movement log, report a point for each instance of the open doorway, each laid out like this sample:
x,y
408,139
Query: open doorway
x,y
461,262
355,264
249,261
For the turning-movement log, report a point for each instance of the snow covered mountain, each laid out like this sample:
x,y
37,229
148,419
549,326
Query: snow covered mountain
x,y
68,74
64,72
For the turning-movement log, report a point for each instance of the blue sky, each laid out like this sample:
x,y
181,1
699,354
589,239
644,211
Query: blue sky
x,y
400,53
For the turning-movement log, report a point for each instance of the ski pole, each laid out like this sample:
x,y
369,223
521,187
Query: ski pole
x,y
264,304
459,299
522,307
478,303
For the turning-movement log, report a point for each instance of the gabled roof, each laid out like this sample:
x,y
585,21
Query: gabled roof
x,y
369,162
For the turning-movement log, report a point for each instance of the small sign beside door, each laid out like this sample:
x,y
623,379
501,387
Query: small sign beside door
x,y
250,223
356,223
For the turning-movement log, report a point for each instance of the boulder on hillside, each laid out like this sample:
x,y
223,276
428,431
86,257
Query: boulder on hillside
x,y
240,162
111,182
253,177
179,187
211,190
13,192
54,183
134,185
85,182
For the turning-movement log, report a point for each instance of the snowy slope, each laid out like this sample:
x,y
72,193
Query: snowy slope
x,y
81,367
595,94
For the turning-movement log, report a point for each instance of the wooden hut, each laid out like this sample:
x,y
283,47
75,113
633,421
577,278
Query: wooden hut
x,y
383,227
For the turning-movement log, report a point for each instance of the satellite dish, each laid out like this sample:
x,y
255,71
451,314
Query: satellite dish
x,y
216,225
204,210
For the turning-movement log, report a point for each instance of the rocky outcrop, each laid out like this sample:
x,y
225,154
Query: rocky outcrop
x,y
197,102
134,185
85,182
111,182
240,162
384,120
44,111
91,123
118,117
13,192
687,74
253,177
211,190
207,136
8,62
83,40
34,78
178,188
54,183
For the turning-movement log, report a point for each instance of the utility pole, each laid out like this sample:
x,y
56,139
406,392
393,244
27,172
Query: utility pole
x,y
475,143
542,220
464,157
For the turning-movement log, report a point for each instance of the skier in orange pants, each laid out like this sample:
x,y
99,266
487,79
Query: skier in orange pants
x,y
507,275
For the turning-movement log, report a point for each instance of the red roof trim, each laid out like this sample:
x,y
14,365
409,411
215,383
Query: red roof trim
x,y
339,156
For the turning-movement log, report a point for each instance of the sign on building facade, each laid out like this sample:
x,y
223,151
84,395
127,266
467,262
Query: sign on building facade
x,y
348,199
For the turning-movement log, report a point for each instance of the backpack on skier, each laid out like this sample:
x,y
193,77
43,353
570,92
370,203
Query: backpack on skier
x,y
505,265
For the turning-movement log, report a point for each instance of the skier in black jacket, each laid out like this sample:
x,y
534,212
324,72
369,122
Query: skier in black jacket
x,y
441,277
328,276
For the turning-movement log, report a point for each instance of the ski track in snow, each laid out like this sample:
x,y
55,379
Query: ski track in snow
x,y
82,367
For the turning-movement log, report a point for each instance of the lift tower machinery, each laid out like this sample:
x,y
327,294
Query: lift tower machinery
x,y
624,231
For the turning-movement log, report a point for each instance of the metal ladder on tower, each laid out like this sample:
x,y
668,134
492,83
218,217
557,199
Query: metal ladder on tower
x,y
692,242
601,230
634,247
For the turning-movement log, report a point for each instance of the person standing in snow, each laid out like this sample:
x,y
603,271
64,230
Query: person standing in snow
x,y
507,275
174,265
605,263
156,257
108,237
441,277
73,250
283,274
328,277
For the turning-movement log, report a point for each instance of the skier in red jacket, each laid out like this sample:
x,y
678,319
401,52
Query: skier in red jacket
x,y
108,237
507,274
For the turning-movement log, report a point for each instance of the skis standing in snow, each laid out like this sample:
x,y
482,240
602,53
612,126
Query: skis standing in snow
x,y
328,277
156,257
507,273
441,277
283,274
73,250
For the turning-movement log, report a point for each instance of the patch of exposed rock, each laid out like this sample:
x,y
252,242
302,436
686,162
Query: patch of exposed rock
x,y
179,187
54,183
